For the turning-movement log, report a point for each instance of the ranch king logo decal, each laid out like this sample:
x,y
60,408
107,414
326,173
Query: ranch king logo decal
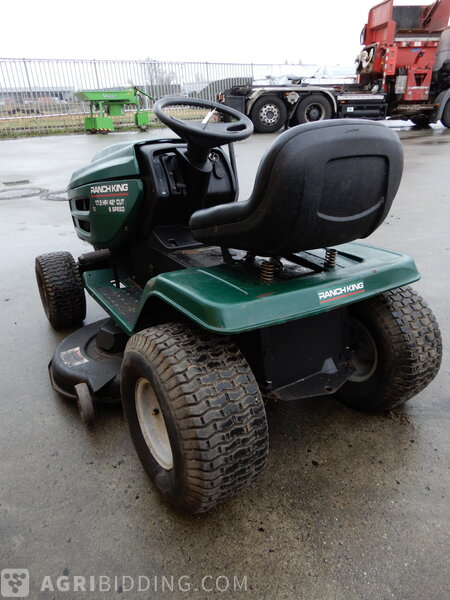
x,y
343,291
110,195
111,188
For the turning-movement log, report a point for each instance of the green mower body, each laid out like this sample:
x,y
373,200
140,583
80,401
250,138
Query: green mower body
x,y
213,304
231,300
106,199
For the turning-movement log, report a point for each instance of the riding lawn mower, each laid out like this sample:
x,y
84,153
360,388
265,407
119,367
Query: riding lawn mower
x,y
215,306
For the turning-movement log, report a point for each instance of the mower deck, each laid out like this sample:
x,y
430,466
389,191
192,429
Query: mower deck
x,y
79,358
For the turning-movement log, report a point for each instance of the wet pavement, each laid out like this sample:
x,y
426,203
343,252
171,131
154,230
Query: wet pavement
x,y
350,506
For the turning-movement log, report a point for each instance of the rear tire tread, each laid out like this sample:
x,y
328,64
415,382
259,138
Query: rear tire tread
x,y
224,441
414,349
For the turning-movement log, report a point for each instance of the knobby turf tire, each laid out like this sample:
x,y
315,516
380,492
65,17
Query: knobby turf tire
x,y
213,412
409,348
61,289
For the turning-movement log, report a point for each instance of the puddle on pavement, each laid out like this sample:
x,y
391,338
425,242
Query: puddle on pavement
x,y
19,193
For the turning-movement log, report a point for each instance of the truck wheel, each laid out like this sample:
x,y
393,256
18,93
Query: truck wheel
x,y
397,350
61,289
195,414
268,114
421,121
445,119
314,107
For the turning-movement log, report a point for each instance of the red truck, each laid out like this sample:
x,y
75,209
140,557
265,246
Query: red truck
x,y
403,72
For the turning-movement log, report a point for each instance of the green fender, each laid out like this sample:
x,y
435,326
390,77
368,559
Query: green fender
x,y
228,299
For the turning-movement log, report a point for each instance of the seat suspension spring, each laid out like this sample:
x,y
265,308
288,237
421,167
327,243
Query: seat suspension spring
x,y
330,258
267,271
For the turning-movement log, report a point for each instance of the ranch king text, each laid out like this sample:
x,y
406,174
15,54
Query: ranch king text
x,y
111,188
341,292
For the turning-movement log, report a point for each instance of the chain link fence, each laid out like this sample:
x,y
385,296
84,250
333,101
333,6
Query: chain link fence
x,y
37,96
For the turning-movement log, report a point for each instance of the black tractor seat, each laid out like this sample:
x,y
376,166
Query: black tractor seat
x,y
319,185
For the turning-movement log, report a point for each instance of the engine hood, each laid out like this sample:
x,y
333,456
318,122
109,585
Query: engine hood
x,y
114,162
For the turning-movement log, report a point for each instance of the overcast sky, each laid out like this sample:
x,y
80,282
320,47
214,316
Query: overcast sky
x,y
318,32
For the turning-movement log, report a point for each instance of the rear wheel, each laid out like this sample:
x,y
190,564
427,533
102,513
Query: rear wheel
x,y
195,414
397,350
61,289
445,119
314,107
268,114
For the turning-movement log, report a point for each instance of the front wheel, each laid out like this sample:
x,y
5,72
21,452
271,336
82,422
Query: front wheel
x,y
314,107
268,114
195,413
445,119
397,350
61,289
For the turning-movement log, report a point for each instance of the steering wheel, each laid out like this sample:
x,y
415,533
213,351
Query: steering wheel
x,y
203,135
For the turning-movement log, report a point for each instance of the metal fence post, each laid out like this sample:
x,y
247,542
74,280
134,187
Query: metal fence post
x,y
37,96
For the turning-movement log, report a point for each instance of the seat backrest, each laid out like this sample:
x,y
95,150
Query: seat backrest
x,y
319,184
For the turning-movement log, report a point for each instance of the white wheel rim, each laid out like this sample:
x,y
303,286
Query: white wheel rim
x,y
153,426
269,114
365,357
43,294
